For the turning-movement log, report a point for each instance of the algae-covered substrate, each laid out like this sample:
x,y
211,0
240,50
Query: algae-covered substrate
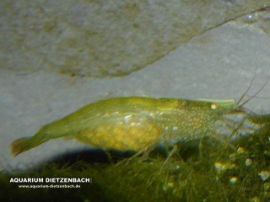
x,y
200,170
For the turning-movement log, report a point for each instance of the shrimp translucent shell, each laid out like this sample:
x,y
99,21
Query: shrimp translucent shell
x,y
133,123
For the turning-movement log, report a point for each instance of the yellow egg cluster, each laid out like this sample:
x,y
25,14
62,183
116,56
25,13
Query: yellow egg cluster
x,y
122,136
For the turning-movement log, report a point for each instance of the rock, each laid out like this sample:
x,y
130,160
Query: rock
x,y
104,38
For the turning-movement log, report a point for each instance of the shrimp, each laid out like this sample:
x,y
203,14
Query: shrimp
x,y
134,123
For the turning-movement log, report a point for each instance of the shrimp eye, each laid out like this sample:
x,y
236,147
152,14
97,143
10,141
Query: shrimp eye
x,y
213,106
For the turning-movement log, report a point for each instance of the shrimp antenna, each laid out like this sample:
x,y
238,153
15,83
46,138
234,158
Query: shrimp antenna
x,y
246,91
253,96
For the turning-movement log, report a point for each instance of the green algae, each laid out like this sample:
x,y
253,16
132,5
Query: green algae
x,y
205,170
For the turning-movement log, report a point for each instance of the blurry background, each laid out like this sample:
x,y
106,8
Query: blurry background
x,y
213,58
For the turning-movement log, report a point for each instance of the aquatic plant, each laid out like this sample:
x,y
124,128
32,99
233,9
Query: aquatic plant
x,y
205,170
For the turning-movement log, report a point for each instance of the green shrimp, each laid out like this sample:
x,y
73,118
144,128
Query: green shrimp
x,y
133,123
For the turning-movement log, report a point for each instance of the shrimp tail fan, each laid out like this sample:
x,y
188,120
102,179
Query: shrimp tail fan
x,y
26,143
21,145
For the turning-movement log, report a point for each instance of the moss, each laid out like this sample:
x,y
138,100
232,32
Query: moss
x,y
201,170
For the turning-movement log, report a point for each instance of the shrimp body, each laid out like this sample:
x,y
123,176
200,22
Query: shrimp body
x,y
133,123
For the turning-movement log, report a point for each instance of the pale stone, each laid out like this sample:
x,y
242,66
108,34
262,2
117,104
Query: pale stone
x,y
104,38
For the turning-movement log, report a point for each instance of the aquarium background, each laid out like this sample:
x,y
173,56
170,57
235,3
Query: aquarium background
x,y
219,62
